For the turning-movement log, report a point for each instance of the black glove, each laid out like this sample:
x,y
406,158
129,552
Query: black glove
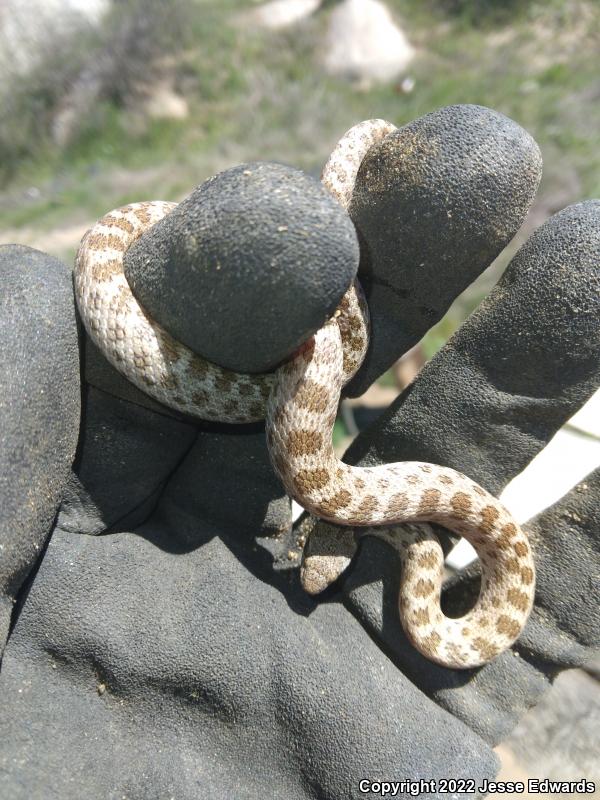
x,y
174,652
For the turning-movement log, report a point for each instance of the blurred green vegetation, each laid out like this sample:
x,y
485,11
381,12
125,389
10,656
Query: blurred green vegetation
x,y
260,94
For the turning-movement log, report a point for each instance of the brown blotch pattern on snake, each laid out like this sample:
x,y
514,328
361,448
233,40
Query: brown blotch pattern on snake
x,y
312,397
424,587
310,480
461,503
339,500
507,625
518,599
304,442
421,616
489,515
430,501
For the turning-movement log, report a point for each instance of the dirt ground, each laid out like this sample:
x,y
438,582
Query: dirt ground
x,y
560,738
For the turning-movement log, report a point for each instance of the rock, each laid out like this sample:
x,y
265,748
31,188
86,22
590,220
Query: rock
x,y
365,44
434,203
163,102
558,739
26,28
39,408
282,13
248,266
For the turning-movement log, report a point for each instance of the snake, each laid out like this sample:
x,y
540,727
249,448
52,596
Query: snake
x,y
298,402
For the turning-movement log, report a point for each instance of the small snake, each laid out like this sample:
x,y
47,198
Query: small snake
x,y
299,402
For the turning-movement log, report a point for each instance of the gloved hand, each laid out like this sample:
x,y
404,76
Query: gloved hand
x,y
486,404
164,646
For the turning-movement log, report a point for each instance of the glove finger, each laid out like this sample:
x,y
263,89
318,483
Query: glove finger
x,y
434,203
40,404
490,400
501,387
517,369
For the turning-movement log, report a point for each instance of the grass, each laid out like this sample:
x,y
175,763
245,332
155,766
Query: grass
x,y
258,94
